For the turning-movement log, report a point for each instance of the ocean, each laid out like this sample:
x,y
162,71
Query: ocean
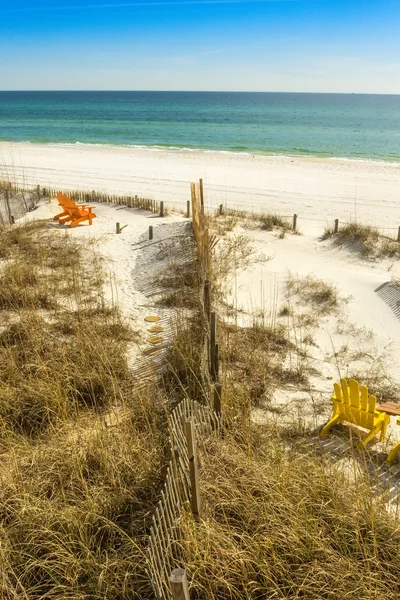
x,y
350,126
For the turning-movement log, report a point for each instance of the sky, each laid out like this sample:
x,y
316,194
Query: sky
x,y
219,45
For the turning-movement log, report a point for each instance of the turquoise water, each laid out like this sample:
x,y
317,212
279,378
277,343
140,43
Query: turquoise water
x,y
328,125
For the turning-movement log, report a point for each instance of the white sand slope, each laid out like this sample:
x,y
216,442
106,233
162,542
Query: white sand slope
x,y
356,279
364,332
318,190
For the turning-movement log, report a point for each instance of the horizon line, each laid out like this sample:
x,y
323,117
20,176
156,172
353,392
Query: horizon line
x,y
205,92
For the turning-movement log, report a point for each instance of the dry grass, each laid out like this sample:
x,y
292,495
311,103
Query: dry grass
x,y
230,218
270,222
366,239
76,496
230,254
280,524
321,295
260,358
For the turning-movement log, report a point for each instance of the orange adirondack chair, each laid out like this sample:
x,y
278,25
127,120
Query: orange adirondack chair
x,y
76,213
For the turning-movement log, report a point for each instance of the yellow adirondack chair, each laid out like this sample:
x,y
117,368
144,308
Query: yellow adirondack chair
x,y
353,405
394,451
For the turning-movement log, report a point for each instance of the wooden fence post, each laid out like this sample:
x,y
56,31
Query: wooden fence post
x,y
398,235
117,228
213,338
8,205
218,398
207,299
194,476
193,193
221,209
337,226
150,232
294,222
201,196
161,208
188,209
179,585
216,363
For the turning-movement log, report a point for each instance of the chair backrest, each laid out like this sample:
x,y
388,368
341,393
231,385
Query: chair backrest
x,y
354,403
68,204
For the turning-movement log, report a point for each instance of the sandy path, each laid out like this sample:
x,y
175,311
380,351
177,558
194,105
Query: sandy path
x,y
130,260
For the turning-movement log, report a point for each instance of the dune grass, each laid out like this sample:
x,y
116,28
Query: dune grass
x,y
320,295
368,240
230,218
282,524
75,494
260,358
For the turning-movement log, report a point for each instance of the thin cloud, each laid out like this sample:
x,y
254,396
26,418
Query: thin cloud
x,y
141,4
237,48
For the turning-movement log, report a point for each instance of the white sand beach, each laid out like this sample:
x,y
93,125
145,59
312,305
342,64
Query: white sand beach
x,y
318,190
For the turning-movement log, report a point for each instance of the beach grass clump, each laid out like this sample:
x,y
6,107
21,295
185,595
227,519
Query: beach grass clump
x,y
229,218
231,254
321,295
20,288
24,239
368,240
261,357
221,225
184,375
279,523
180,281
48,376
74,510
270,222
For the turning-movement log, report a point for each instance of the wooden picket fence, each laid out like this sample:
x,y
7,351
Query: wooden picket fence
x,y
38,193
15,202
129,201
188,420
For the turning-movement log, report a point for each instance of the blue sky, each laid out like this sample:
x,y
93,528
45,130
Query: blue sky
x,y
254,45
